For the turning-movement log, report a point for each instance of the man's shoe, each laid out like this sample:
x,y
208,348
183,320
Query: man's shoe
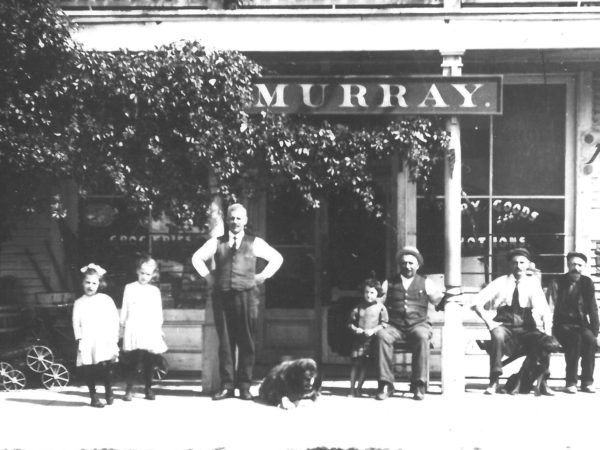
x,y
224,393
588,388
385,391
571,389
110,399
245,394
491,389
419,393
128,396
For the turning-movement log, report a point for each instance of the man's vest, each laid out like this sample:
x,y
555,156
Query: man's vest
x,y
235,269
407,307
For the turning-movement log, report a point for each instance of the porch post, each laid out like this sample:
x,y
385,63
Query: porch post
x,y
211,380
453,347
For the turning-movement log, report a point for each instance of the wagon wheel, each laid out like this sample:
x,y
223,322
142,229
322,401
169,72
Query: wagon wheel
x,y
14,380
56,376
160,371
39,358
4,369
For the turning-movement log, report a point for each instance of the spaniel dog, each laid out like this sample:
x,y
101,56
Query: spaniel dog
x,y
289,382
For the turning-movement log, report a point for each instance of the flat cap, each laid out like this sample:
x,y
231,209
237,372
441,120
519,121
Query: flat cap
x,y
409,250
519,251
576,255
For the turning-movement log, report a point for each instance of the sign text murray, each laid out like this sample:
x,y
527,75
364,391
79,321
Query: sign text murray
x,y
413,95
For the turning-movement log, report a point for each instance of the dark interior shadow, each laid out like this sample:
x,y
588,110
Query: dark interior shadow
x,y
46,402
178,383
344,392
173,393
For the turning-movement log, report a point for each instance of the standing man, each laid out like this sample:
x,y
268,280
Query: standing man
x,y
234,293
576,321
408,298
518,310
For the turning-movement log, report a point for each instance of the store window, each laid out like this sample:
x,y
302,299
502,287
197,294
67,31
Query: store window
x,y
357,242
514,187
291,230
113,236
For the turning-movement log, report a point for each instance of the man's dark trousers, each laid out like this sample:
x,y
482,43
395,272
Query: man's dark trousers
x,y
507,340
577,341
236,316
417,337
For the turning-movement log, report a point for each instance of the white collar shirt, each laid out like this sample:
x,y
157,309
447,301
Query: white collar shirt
x,y
238,239
531,295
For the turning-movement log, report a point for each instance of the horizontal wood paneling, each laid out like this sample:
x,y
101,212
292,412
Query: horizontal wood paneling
x,y
183,335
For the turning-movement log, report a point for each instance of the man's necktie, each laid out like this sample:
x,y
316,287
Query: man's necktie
x,y
234,245
515,305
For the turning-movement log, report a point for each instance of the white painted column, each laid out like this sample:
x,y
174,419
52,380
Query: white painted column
x,y
211,379
453,341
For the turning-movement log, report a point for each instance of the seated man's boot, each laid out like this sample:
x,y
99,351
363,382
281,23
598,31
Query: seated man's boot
x,y
385,391
588,388
419,392
224,393
493,386
245,393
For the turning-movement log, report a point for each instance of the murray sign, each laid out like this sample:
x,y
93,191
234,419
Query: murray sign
x,y
413,95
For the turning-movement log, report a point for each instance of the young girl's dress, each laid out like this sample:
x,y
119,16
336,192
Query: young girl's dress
x,y
365,316
96,326
142,318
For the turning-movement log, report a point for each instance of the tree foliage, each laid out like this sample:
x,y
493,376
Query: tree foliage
x,y
155,126
35,48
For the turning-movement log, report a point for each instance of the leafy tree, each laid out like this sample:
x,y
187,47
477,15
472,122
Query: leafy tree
x,y
35,46
155,126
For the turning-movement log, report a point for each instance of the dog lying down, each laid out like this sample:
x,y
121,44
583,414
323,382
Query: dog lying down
x,y
289,382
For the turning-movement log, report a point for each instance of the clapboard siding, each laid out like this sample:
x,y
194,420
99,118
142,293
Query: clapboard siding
x,y
32,234
183,335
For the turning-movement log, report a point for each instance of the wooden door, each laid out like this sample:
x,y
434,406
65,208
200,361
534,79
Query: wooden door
x,y
289,311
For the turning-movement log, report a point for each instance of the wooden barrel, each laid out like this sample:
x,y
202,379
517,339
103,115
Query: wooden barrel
x,y
11,322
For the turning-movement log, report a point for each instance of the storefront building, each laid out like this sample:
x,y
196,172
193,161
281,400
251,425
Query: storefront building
x,y
530,175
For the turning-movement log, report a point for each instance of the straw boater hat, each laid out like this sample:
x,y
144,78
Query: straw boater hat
x,y
409,250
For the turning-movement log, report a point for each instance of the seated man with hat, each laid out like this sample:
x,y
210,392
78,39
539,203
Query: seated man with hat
x,y
576,321
408,298
515,310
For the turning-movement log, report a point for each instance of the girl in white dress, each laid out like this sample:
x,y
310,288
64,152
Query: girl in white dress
x,y
141,327
96,329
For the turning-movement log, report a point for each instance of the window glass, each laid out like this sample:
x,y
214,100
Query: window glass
x,y
526,206
113,236
475,146
357,242
529,141
290,229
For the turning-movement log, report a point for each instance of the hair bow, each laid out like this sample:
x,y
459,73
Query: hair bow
x,y
95,267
